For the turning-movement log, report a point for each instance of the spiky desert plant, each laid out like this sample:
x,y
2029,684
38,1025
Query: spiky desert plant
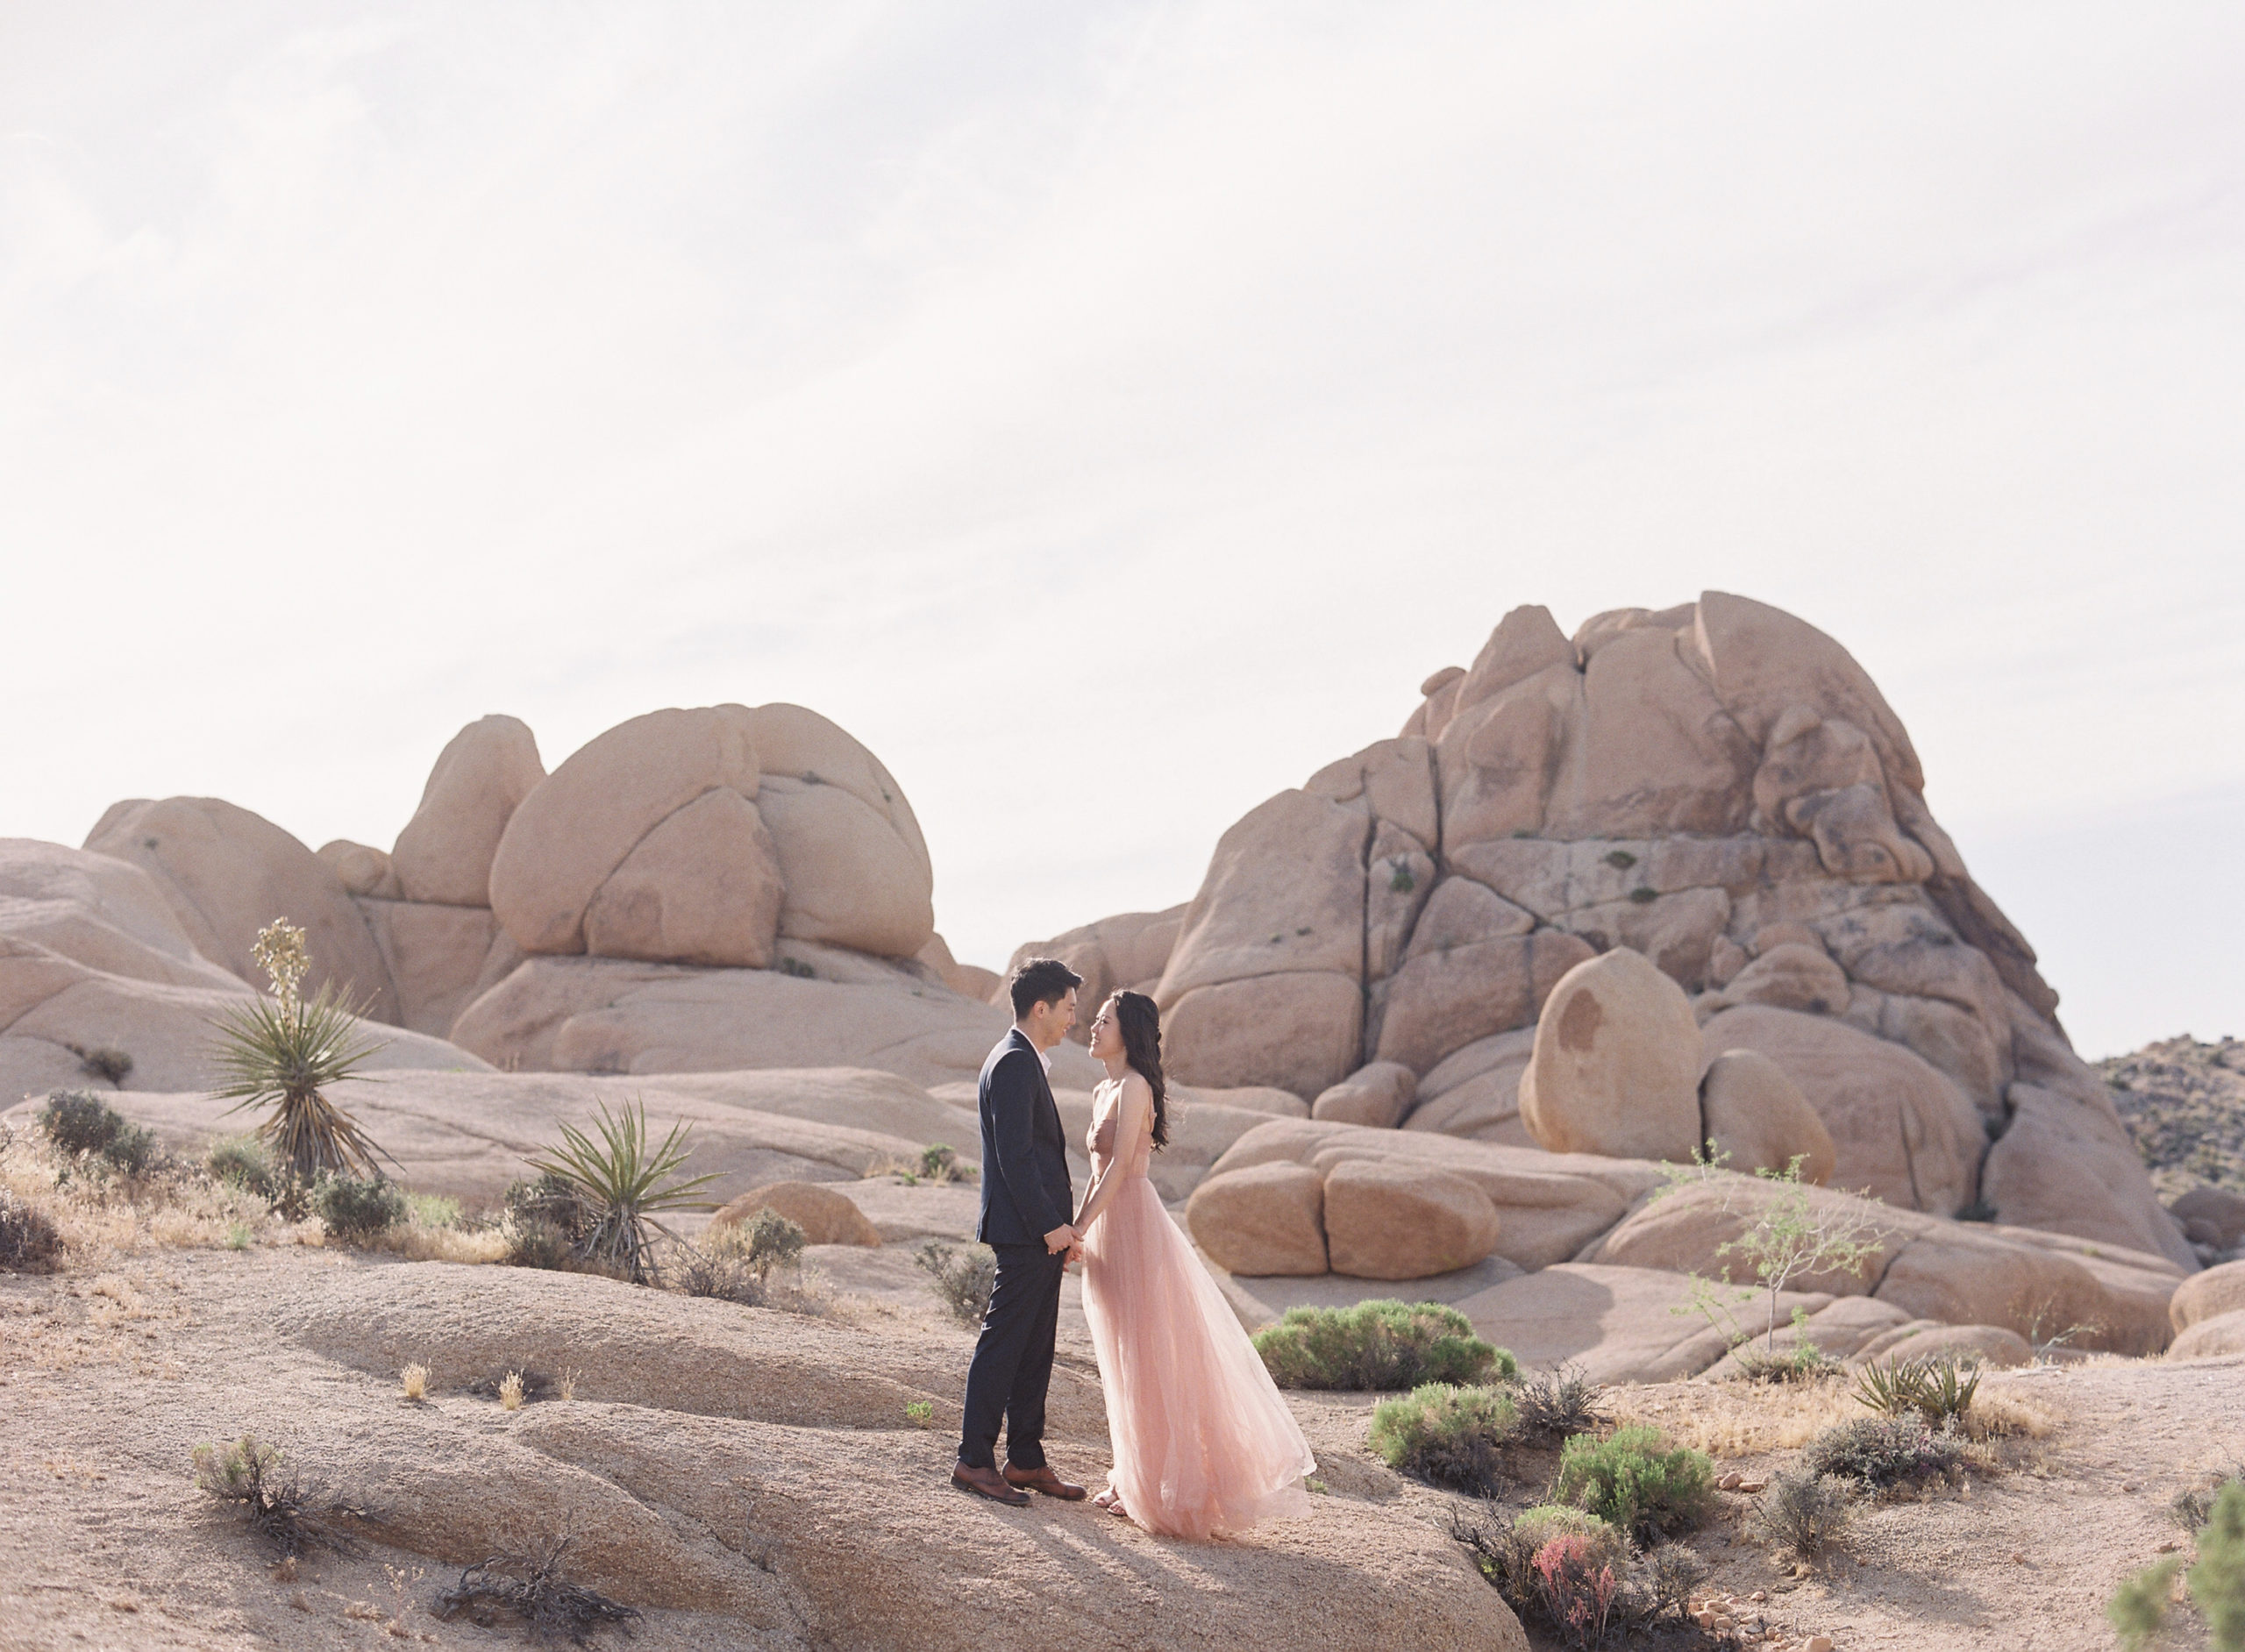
x,y
626,1184
284,1052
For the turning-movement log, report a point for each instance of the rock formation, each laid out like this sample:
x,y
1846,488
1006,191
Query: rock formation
x,y
1719,788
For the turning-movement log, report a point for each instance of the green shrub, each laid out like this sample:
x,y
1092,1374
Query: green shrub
x,y
78,1121
1446,1434
2138,1610
545,1224
1636,1481
1882,1452
243,1162
964,1278
29,1242
433,1210
2218,1581
1379,1345
357,1206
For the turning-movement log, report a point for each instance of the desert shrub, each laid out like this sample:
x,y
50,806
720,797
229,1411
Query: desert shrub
x,y
532,1590
2193,1507
545,1224
433,1210
245,1162
1803,1362
1882,1452
1636,1481
1576,1588
1804,1513
1377,1345
357,1206
735,1261
1446,1434
247,1473
940,1164
2216,1583
626,1186
102,1061
284,1052
2138,1609
78,1121
963,1277
1551,1405
1506,1550
29,1242
1938,1388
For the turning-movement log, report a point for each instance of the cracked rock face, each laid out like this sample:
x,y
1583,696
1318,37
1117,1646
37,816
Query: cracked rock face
x,y
1720,788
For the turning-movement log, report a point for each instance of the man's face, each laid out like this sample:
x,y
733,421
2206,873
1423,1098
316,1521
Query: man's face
x,y
1049,1022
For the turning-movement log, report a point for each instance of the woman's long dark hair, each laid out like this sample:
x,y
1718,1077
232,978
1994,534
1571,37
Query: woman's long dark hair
x,y
1140,1024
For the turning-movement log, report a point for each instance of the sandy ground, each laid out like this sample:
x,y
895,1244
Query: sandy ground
x,y
111,1375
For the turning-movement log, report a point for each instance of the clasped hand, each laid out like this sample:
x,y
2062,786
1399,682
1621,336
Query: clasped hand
x,y
1064,1240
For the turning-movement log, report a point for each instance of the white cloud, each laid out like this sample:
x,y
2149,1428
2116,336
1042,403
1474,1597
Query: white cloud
x,y
1108,413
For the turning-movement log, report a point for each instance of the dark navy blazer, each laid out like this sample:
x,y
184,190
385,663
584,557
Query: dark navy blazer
x,y
1026,1192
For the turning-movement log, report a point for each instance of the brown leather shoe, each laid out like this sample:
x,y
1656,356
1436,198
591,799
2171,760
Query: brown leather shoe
x,y
987,1482
1042,1481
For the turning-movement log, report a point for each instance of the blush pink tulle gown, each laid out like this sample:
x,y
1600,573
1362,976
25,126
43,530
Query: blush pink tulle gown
x,y
1203,1441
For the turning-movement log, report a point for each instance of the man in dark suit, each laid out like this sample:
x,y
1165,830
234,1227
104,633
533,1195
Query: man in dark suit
x,y
1027,1202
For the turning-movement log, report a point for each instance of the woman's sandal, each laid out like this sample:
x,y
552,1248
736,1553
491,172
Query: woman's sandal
x,y
1111,1503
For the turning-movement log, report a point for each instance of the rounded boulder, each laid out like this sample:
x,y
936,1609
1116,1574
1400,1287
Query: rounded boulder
x,y
1265,1219
2208,1295
1379,1094
444,854
1756,1119
826,1217
1615,1068
1391,1220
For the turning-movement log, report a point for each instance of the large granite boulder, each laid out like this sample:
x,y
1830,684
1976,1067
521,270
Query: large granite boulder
x,y
705,837
1755,1118
1720,789
226,873
1616,1064
444,853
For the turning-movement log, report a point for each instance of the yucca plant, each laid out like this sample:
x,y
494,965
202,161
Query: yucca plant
x,y
626,1185
283,1052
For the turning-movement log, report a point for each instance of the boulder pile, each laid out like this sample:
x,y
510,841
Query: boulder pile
x,y
699,890
1669,882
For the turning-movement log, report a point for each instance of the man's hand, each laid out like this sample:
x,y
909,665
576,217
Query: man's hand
x,y
1061,1238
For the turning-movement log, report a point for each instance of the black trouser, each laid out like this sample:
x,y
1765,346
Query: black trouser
x,y
1013,1361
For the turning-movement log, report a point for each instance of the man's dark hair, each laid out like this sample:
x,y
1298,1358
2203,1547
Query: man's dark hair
x,y
1042,980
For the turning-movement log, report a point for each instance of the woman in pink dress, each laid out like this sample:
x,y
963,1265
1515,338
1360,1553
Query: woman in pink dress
x,y
1203,1441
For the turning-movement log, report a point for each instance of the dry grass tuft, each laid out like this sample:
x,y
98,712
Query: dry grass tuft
x,y
416,1380
1999,1414
418,1241
1735,1420
511,1392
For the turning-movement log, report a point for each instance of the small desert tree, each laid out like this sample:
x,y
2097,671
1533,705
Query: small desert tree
x,y
284,1052
1789,1238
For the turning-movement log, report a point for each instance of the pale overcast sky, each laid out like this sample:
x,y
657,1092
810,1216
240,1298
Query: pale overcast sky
x,y
1110,412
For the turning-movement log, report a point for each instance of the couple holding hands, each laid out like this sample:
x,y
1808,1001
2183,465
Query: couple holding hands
x,y
1201,1439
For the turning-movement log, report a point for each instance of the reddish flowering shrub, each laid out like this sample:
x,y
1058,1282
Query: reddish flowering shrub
x,y
1577,1587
